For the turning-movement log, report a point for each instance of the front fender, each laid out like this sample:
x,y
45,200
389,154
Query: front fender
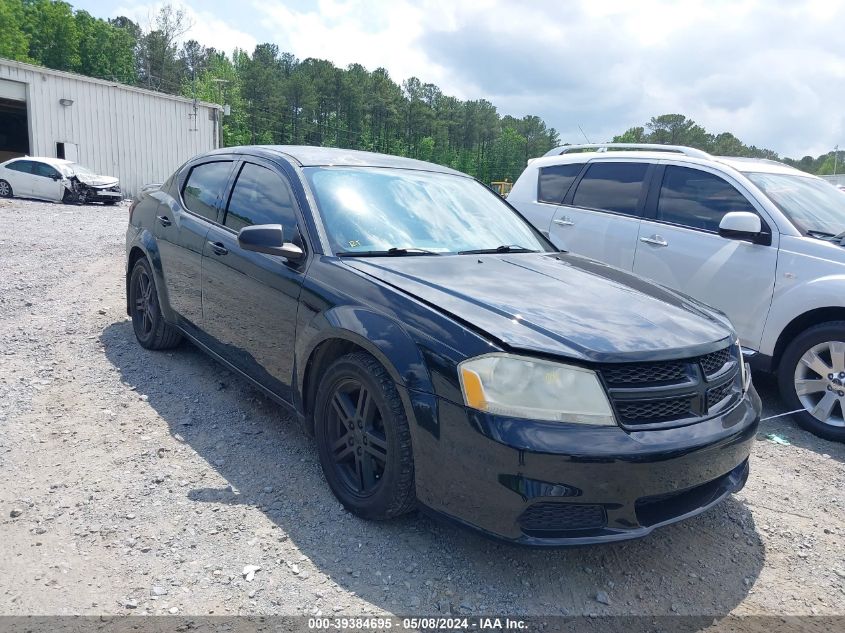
x,y
798,298
383,337
146,242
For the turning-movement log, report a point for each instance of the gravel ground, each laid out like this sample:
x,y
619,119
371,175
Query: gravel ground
x,y
143,482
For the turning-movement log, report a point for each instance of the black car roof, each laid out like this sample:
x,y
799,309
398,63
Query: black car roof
x,y
309,156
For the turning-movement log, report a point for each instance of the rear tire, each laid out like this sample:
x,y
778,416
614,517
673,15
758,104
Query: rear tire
x,y
5,189
147,321
363,438
811,376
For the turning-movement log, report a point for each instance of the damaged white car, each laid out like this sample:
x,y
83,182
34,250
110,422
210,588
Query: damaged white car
x,y
56,179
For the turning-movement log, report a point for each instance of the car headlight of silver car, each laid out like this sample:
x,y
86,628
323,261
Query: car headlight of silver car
x,y
504,384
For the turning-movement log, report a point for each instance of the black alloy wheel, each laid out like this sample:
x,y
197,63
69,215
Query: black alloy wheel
x,y
363,438
147,321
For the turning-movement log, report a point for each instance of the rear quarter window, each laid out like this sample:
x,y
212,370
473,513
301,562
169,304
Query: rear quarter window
x,y
554,182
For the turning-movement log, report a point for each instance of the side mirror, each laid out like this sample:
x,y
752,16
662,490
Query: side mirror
x,y
269,239
741,225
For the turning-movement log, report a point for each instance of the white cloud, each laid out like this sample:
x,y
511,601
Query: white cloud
x,y
771,73
207,28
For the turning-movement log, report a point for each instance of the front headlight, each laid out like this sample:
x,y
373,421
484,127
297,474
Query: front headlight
x,y
536,389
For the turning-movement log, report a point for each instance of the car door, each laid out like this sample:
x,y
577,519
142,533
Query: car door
x,y
46,182
680,246
600,214
250,299
20,178
181,226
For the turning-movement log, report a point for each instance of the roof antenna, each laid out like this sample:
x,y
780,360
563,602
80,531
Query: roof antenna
x,y
582,132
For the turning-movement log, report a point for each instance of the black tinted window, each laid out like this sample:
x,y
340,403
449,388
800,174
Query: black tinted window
x,y
555,181
261,196
611,187
43,169
205,183
24,166
697,199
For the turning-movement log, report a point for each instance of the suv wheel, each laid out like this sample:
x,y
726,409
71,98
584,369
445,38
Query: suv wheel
x,y
811,376
363,438
147,321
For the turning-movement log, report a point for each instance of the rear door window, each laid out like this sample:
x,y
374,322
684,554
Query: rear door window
x,y
697,199
554,182
615,187
204,186
23,166
261,196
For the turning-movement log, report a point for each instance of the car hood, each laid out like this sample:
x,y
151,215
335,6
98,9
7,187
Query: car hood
x,y
558,304
97,181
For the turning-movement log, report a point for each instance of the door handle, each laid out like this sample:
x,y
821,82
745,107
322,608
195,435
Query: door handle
x,y
564,221
654,240
218,248
164,220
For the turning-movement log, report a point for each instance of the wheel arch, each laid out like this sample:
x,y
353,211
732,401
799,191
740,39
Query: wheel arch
x,y
349,329
808,319
145,246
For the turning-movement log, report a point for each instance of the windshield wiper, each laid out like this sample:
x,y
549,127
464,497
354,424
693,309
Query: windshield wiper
x,y
390,252
827,236
505,248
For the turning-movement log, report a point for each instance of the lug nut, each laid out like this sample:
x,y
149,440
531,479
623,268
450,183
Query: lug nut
x,y
841,393
842,374
830,376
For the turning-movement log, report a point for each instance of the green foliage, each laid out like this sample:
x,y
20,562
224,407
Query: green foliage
x,y
14,40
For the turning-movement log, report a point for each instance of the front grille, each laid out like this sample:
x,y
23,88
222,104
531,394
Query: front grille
x,y
671,392
717,394
713,363
644,372
548,518
654,410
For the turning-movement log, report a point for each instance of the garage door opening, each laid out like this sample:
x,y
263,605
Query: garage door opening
x,y
14,129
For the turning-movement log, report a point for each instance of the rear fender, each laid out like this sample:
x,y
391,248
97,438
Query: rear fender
x,y
146,242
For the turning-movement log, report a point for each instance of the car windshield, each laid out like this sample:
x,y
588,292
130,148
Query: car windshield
x,y
812,204
76,168
408,212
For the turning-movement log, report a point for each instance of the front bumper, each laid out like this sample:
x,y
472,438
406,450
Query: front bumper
x,y
546,483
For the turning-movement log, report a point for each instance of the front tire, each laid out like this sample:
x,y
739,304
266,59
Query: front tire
x,y
811,376
5,189
147,321
363,438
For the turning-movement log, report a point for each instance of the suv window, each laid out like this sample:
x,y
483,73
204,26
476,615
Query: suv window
x,y
261,196
23,166
204,185
697,199
555,181
611,187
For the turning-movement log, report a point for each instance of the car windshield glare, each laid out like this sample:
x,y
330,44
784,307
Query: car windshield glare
x,y
371,210
810,203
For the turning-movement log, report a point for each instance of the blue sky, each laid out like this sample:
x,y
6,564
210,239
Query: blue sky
x,y
773,73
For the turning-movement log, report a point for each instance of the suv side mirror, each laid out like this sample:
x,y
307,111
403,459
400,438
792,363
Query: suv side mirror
x,y
741,225
269,239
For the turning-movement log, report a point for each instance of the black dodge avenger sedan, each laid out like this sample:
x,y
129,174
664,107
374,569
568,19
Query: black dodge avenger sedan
x,y
442,352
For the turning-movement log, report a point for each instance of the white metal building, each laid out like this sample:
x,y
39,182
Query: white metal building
x,y
138,135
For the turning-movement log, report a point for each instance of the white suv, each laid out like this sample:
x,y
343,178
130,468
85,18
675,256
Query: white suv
x,y
761,241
